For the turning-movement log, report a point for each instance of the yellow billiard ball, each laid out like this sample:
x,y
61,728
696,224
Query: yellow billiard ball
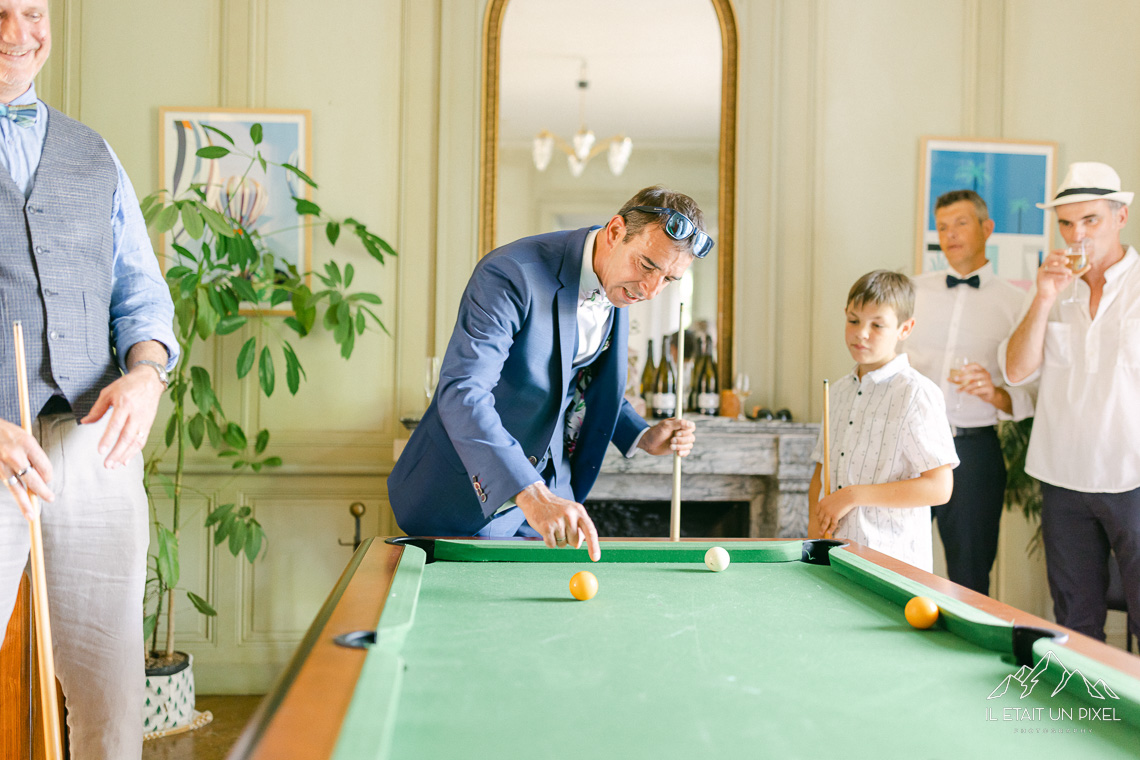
x,y
921,612
583,585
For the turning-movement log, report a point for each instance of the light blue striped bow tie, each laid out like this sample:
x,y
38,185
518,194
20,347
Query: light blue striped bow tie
x,y
24,116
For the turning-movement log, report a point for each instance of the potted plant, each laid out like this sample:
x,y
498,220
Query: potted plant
x,y
1022,491
226,275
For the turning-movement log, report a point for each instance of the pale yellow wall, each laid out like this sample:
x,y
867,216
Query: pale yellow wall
x,y
834,97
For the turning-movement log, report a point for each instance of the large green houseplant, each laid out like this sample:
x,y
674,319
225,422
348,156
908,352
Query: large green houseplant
x,y
224,277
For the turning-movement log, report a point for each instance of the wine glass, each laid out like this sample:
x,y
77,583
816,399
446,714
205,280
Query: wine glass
x,y
1077,257
431,376
740,389
957,367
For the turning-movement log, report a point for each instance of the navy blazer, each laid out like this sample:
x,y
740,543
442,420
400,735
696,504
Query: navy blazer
x,y
495,421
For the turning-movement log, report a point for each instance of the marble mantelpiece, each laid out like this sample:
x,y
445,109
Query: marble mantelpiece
x,y
767,464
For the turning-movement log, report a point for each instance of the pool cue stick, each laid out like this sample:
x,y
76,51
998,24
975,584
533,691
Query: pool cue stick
x,y
826,444
45,659
675,509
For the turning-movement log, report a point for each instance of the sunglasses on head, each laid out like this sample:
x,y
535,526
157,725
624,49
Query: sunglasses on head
x,y
680,227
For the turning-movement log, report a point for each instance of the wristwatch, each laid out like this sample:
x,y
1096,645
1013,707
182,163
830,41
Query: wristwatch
x,y
161,370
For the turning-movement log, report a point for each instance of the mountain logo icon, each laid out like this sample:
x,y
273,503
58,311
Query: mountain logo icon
x,y
1027,679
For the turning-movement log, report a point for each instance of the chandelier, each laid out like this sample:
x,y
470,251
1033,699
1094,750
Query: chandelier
x,y
583,145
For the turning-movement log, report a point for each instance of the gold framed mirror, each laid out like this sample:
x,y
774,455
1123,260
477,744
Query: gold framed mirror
x,y
726,163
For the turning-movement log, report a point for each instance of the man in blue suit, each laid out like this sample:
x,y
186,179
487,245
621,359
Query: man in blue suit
x,y
531,386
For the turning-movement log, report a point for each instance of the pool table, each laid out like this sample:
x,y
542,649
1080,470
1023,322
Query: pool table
x,y
466,648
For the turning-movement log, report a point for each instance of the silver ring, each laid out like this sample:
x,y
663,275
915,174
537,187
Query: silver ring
x,y
12,481
23,472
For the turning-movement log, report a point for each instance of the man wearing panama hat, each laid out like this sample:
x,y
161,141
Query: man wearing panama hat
x,y
1081,337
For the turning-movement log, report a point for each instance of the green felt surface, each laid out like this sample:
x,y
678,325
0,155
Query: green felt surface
x,y
670,660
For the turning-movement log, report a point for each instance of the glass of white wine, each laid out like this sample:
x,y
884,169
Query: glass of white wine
x,y
740,389
1077,258
431,376
958,365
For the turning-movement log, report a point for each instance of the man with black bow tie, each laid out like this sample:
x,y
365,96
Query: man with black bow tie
x,y
961,316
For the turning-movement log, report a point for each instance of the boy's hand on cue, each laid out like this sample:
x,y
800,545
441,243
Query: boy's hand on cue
x,y
668,437
832,509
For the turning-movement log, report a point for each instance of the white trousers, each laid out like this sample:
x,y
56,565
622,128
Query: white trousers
x,y
95,542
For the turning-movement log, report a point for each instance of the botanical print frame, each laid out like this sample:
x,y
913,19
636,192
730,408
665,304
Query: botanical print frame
x,y
270,209
1012,176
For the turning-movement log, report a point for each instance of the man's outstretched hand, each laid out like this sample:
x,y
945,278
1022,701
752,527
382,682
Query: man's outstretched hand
x,y
559,521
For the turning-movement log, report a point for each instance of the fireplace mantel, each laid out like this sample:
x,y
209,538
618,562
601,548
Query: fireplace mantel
x,y
767,464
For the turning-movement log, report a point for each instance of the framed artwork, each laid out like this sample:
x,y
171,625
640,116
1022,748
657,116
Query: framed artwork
x,y
263,200
1012,177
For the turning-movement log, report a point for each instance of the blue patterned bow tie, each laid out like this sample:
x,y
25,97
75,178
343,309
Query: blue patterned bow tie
x,y
24,116
973,281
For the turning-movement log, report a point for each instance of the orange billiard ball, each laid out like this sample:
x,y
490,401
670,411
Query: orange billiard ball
x,y
583,585
921,612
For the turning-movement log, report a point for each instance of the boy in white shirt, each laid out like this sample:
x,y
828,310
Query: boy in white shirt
x,y
892,451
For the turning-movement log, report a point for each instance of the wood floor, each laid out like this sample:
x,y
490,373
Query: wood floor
x,y
211,742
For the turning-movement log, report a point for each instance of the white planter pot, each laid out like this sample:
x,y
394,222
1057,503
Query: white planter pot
x,y
168,707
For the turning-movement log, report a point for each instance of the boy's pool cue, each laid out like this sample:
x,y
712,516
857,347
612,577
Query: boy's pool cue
x,y
675,510
45,659
826,446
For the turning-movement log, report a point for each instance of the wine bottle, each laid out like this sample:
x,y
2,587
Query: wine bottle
x,y
708,386
665,387
648,377
691,383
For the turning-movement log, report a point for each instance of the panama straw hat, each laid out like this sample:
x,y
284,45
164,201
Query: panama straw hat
x,y
1089,181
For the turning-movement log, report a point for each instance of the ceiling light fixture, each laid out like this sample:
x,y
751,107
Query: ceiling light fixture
x,y
583,145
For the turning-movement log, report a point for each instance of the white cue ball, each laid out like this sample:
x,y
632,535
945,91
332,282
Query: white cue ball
x,y
716,559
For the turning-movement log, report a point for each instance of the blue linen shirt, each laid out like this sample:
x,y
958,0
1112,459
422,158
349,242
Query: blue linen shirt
x,y
141,308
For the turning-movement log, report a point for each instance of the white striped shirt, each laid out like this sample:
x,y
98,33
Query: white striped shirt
x,y
887,427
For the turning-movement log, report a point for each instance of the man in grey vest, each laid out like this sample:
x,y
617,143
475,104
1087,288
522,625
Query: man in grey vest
x,y
77,270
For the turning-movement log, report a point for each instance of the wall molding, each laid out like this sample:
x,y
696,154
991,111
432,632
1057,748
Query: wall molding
x,y
306,452
818,105
983,67
418,217
204,629
774,264
331,505
257,53
59,82
243,31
